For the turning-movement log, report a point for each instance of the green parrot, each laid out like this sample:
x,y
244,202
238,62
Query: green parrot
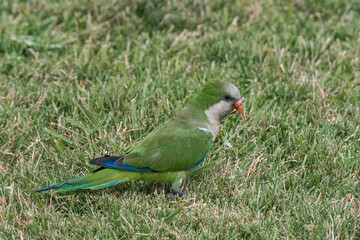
x,y
173,150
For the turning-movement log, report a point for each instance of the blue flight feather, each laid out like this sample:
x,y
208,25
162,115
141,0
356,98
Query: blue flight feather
x,y
197,164
117,163
109,162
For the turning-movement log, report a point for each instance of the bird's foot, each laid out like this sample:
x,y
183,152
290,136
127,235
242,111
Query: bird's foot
x,y
176,186
177,194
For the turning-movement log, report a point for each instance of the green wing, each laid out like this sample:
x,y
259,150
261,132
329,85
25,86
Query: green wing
x,y
171,148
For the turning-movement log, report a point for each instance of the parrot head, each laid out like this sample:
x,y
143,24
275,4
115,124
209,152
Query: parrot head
x,y
219,98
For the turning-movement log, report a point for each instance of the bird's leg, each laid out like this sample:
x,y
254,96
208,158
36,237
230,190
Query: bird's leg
x,y
176,185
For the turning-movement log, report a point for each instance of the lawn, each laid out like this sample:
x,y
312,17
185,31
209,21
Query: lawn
x,y
82,79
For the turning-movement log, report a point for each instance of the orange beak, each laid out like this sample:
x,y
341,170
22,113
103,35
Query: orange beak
x,y
238,107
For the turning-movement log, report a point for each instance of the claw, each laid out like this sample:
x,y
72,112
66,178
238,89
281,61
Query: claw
x,y
177,194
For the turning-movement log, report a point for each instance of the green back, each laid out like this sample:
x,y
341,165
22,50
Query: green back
x,y
173,146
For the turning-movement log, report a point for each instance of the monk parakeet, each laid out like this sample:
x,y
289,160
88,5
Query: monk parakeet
x,y
170,152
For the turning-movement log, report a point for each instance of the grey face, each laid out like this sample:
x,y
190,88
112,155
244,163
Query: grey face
x,y
219,110
233,92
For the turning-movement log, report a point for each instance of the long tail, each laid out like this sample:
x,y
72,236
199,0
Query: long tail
x,y
100,178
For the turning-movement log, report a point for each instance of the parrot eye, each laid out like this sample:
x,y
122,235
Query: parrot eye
x,y
227,97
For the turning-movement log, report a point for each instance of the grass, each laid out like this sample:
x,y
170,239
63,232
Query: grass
x,y
79,80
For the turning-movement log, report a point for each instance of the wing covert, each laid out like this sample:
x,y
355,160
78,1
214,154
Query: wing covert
x,y
173,150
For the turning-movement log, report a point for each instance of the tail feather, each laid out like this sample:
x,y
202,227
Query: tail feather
x,y
98,179
57,186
